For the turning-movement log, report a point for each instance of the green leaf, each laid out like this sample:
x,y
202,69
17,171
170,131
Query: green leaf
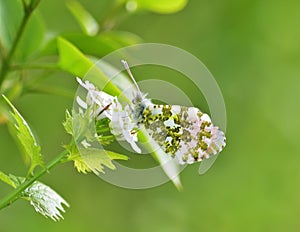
x,y
29,147
86,21
98,46
6,179
11,13
83,128
92,45
116,156
45,200
88,159
31,40
80,126
72,60
161,7
68,124
123,38
92,159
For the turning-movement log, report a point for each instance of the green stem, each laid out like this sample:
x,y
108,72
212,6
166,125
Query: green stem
x,y
15,194
7,61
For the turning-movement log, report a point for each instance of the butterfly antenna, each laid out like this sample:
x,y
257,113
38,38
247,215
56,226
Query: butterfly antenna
x,y
126,66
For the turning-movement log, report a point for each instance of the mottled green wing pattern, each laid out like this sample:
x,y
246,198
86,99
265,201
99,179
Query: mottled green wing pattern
x,y
184,132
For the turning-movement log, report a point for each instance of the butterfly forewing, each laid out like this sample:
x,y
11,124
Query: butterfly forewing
x,y
184,132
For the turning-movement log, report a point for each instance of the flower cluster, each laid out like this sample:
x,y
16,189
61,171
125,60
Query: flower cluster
x,y
122,124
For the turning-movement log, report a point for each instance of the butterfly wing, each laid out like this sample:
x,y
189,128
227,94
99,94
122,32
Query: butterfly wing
x,y
184,132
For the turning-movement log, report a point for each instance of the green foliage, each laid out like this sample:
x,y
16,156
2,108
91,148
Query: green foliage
x,y
161,7
106,42
71,59
32,39
74,61
87,22
11,13
92,159
6,179
68,123
23,46
11,19
28,144
81,127
104,136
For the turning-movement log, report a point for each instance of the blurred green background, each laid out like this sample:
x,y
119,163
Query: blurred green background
x,y
253,50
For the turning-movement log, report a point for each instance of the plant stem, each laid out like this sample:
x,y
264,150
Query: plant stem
x,y
7,61
15,194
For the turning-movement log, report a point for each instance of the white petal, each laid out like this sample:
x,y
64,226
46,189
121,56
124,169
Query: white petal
x,y
81,103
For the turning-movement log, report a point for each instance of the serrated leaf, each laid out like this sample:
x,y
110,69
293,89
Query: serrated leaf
x,y
83,128
68,123
88,159
161,7
86,21
116,156
26,139
80,126
6,179
45,200
92,159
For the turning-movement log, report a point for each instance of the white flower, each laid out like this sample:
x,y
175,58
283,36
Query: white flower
x,y
101,102
104,105
123,127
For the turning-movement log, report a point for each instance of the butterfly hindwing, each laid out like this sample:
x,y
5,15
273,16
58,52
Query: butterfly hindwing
x,y
184,132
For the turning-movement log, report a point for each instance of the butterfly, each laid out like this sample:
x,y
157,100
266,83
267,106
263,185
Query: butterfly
x,y
182,132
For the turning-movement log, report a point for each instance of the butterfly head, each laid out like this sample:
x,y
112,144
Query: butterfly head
x,y
139,100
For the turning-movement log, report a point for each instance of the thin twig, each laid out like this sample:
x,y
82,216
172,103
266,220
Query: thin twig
x,y
7,61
